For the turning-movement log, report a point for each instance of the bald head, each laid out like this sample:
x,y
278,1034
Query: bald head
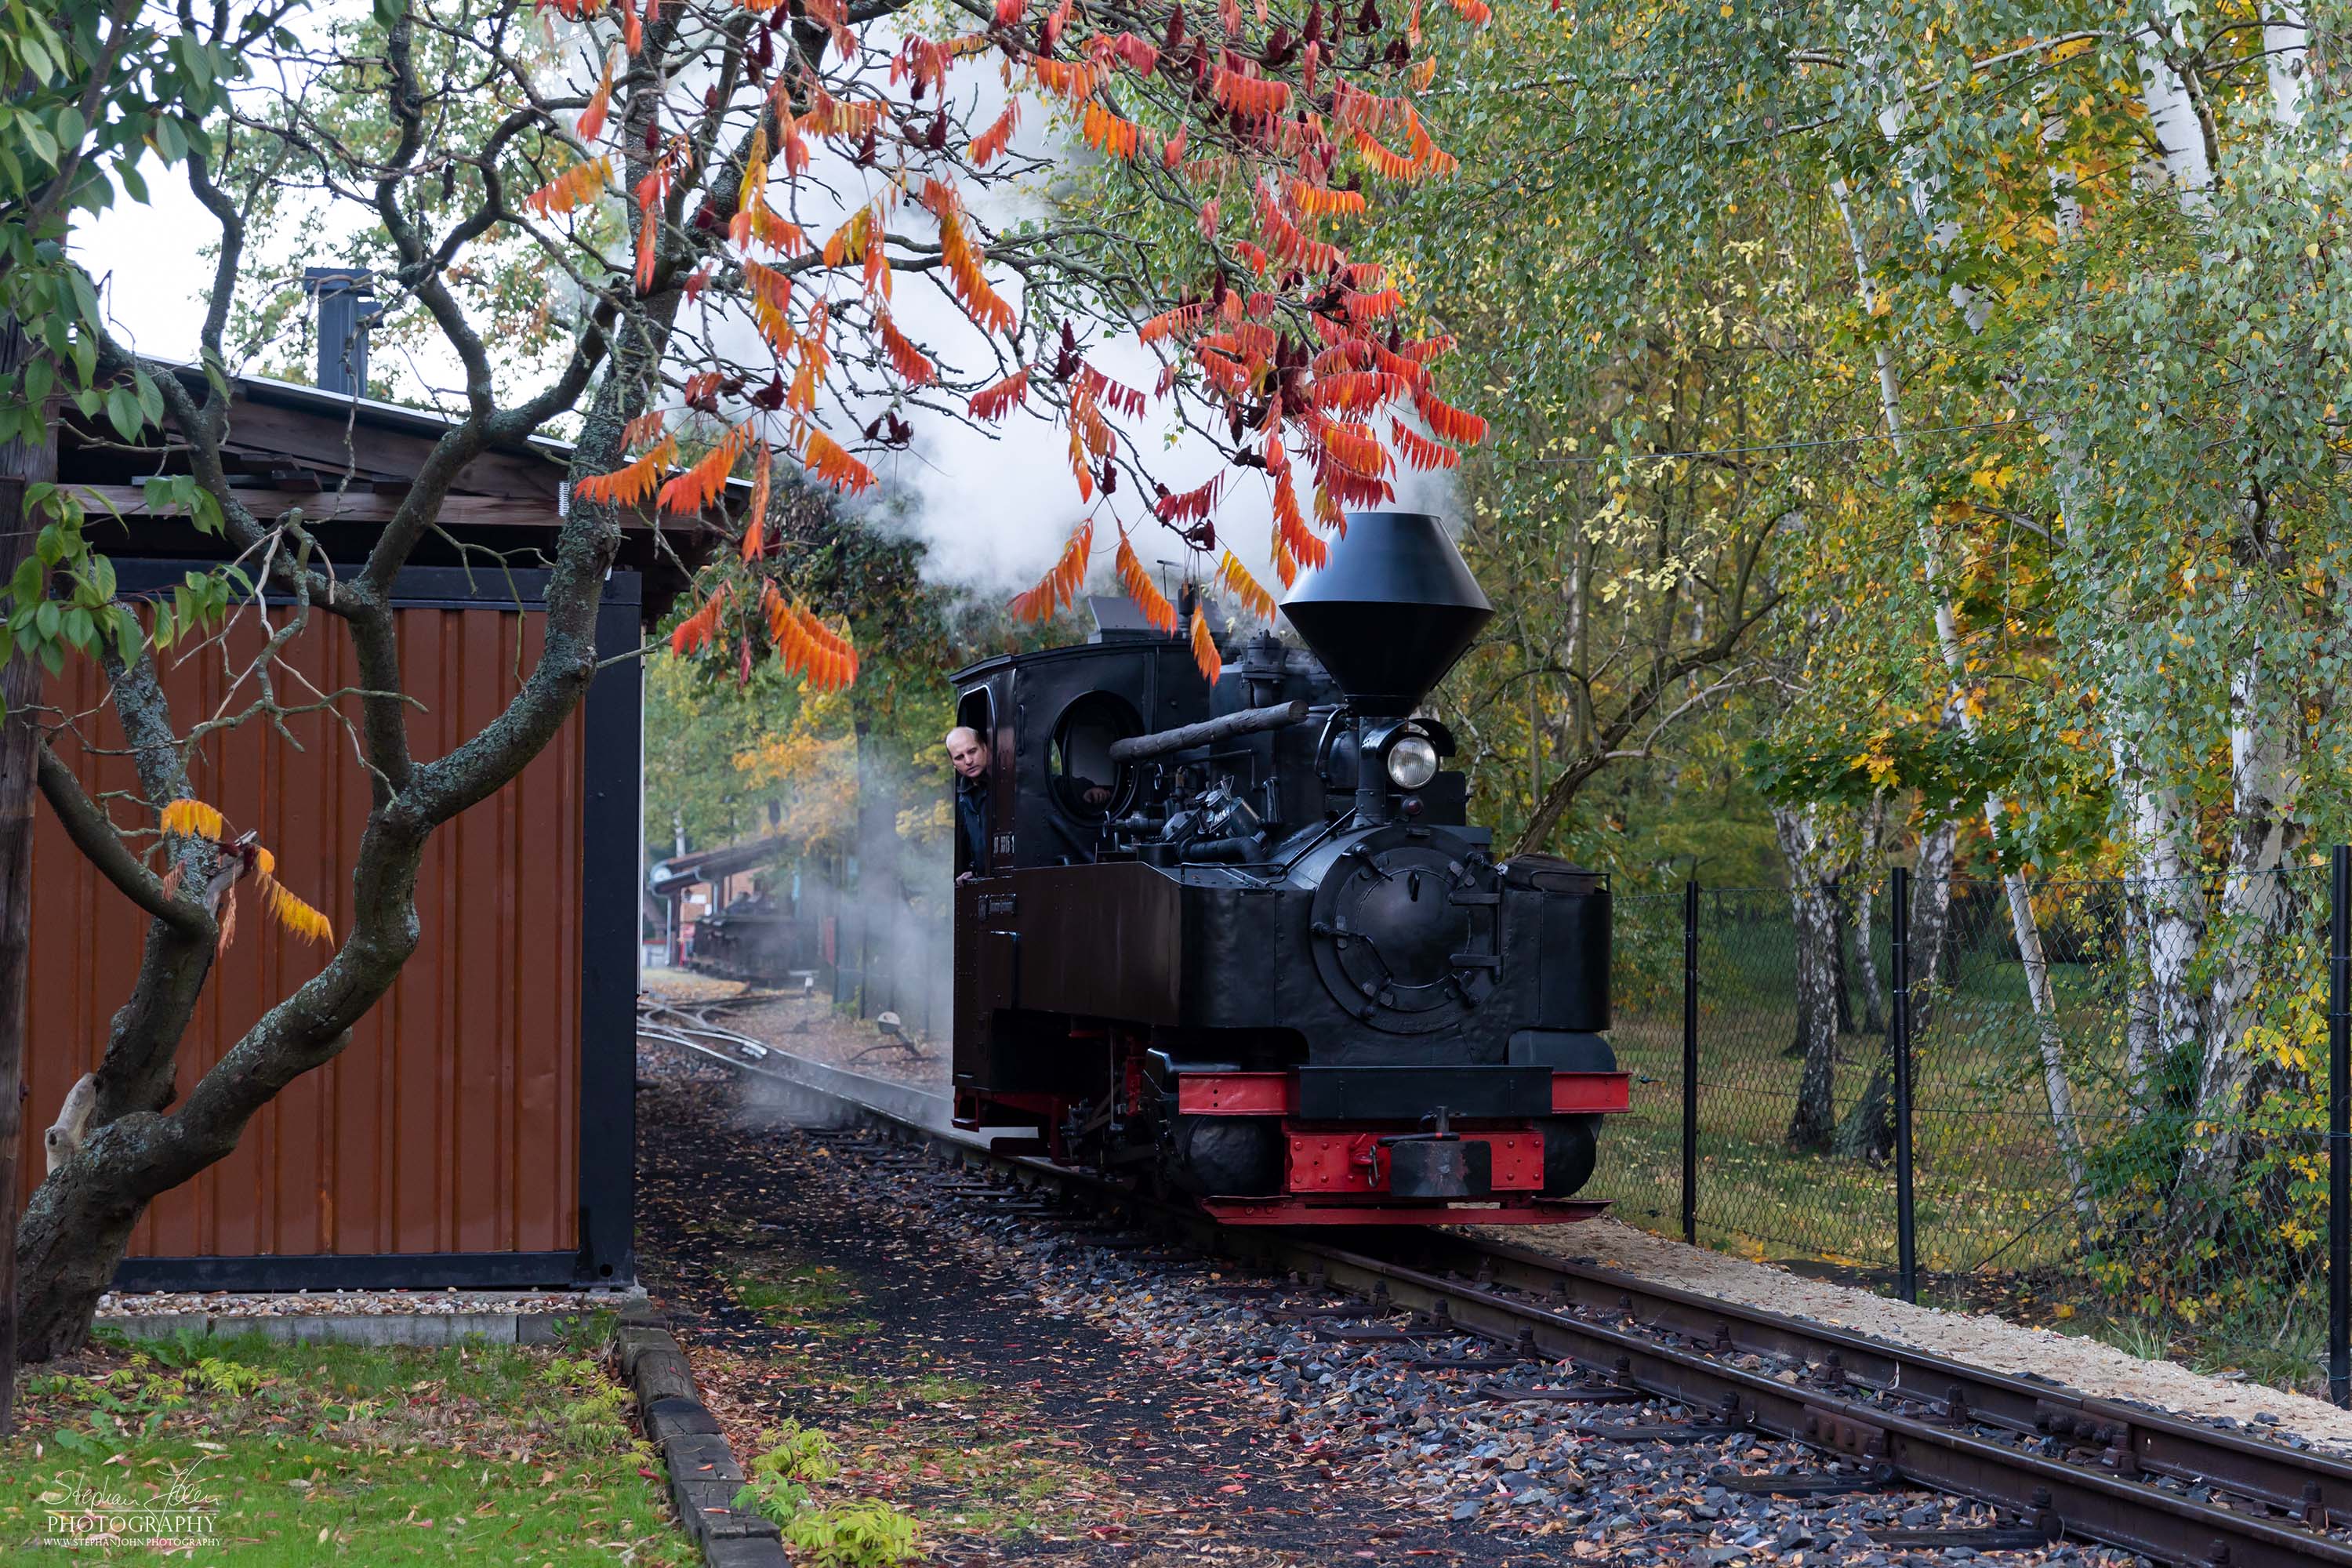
x,y
967,752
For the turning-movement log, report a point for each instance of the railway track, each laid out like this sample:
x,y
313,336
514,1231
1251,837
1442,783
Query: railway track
x,y
2057,1463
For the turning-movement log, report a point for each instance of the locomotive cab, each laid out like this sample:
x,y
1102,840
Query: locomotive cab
x,y
1241,939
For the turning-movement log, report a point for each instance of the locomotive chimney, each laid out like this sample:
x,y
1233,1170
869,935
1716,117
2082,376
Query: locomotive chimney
x,y
1391,612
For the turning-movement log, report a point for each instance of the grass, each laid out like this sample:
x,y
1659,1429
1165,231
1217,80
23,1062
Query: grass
x,y
293,1454
802,1296
880,1434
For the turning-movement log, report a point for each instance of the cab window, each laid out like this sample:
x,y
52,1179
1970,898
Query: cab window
x,y
1087,783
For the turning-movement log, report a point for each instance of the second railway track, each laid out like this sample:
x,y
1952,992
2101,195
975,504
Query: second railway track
x,y
1876,1413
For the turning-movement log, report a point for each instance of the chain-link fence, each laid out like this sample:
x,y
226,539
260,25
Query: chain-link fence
x,y
2118,1108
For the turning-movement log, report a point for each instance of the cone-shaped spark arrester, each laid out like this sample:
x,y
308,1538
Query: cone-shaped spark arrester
x,y
1391,612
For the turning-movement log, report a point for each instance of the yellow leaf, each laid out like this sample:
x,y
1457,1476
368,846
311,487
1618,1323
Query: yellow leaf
x,y
292,914
192,818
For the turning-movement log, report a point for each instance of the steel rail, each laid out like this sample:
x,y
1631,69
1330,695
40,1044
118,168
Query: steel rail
x,y
1912,1416
1939,1452
2129,1440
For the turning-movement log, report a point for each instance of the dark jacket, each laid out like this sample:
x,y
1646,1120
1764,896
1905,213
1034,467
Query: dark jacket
x,y
971,826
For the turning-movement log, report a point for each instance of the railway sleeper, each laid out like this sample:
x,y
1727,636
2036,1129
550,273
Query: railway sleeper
x,y
1873,1478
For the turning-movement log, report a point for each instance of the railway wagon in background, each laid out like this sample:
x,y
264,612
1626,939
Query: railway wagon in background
x,y
1241,943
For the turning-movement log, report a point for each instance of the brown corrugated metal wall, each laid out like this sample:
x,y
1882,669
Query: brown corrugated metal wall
x,y
451,1123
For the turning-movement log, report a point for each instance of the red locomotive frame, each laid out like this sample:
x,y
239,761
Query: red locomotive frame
x,y
1339,1174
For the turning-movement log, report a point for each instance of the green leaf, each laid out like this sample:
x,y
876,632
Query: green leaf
x,y
123,412
80,628
44,146
47,618
85,296
26,584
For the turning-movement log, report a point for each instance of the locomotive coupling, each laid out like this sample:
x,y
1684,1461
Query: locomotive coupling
x,y
1440,1165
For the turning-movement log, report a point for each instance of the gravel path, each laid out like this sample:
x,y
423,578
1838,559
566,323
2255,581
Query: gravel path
x,y
2082,1364
359,1303
1157,1409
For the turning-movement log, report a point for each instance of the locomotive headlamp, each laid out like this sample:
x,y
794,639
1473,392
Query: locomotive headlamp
x,y
1412,762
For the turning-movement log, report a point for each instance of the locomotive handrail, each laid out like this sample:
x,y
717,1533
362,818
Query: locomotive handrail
x,y
1247,721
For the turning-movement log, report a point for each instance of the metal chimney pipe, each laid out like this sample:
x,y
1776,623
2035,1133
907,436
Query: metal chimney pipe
x,y
347,306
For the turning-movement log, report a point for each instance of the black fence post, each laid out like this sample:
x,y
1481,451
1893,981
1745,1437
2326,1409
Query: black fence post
x,y
2339,1128
1907,1235
1690,1061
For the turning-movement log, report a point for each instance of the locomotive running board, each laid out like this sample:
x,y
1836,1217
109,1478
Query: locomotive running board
x,y
1506,1211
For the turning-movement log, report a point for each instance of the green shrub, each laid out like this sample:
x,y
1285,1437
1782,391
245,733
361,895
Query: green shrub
x,y
868,1533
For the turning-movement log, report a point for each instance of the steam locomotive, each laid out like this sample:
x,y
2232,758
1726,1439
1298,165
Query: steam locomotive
x,y
1241,943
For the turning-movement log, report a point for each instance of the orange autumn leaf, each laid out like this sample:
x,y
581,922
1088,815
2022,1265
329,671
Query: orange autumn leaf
x,y
695,489
291,912
968,275
1320,201
1109,134
994,402
581,183
1142,589
1454,424
806,645
1418,450
914,367
192,818
1246,588
755,532
631,484
824,456
991,144
700,629
1060,585
1204,647
600,104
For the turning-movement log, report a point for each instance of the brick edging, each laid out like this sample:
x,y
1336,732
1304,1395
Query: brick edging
x,y
703,1475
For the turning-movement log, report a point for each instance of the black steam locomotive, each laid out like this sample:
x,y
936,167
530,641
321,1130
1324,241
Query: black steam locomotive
x,y
1240,940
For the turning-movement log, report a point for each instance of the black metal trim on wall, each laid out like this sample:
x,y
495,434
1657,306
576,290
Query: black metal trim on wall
x,y
612,757
613,817
355,1271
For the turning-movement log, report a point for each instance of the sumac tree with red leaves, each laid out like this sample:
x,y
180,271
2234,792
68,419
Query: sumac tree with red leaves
x,y
723,248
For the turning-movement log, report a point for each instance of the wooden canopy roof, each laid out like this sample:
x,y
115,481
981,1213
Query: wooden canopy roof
x,y
348,462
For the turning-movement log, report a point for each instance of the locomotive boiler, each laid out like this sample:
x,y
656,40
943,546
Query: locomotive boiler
x,y
1241,941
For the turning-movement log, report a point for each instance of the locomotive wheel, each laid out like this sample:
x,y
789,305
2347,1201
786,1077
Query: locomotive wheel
x,y
1229,1156
1570,1151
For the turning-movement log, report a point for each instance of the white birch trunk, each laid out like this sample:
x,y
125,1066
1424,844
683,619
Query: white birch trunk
x,y
2024,924
2265,786
2284,36
1812,1122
